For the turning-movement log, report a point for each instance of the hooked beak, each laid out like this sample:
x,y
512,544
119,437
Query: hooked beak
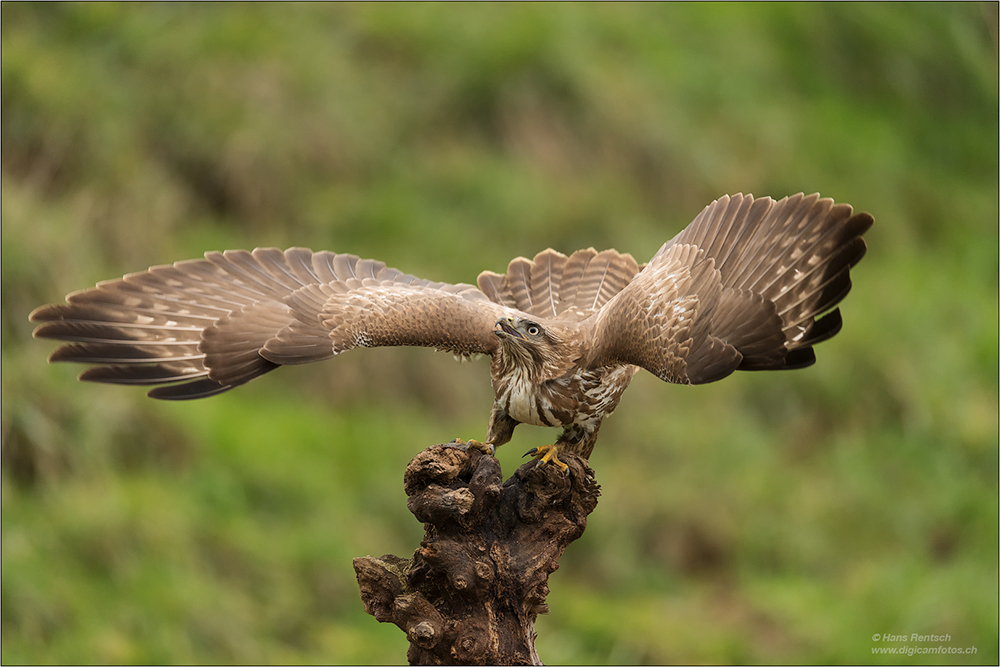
x,y
506,325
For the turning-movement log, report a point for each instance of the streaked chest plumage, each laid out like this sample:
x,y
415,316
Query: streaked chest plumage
x,y
582,398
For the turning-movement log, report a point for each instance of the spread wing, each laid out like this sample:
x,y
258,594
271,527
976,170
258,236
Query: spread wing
x,y
744,286
201,327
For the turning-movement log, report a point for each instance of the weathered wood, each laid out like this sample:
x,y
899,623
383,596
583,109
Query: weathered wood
x,y
471,592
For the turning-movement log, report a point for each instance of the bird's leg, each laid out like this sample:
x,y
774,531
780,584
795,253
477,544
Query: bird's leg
x,y
499,431
545,454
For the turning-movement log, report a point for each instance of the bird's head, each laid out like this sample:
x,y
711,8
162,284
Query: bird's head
x,y
539,349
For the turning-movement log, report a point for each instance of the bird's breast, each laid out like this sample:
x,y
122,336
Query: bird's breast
x,y
523,401
582,398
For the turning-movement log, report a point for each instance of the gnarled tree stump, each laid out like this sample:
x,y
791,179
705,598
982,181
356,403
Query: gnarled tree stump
x,y
471,592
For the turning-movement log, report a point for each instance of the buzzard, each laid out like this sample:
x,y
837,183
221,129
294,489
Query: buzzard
x,y
750,284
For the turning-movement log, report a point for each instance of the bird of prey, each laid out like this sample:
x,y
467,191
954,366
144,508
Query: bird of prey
x,y
750,284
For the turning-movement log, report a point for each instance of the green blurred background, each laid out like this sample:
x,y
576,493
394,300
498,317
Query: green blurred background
x,y
782,517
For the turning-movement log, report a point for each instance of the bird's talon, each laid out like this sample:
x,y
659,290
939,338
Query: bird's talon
x,y
484,447
546,454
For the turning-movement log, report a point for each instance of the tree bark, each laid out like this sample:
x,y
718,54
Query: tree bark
x,y
471,592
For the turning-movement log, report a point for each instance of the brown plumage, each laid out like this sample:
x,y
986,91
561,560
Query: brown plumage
x,y
749,285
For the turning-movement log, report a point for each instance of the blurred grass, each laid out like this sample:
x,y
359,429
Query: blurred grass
x,y
769,518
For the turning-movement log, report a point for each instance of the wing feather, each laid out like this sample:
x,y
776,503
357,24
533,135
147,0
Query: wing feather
x,y
169,371
750,284
759,276
205,326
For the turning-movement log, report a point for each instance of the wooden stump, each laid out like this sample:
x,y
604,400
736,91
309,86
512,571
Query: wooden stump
x,y
471,592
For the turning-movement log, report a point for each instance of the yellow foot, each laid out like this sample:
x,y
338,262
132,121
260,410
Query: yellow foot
x,y
547,453
484,447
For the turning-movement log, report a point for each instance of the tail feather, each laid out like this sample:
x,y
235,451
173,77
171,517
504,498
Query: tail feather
x,y
607,274
553,285
573,273
546,277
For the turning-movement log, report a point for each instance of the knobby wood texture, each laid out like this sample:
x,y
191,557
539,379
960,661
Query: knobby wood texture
x,y
471,592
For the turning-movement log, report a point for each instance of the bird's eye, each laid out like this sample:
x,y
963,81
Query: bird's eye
x,y
533,330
